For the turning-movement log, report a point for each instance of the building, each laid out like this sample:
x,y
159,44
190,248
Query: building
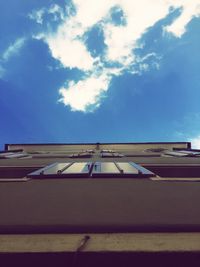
x,y
100,204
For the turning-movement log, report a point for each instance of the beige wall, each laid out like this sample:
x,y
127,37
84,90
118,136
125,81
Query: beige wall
x,y
81,147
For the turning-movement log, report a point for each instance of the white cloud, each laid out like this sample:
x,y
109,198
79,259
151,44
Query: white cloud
x,y
195,142
68,46
81,95
55,10
37,15
121,40
143,64
72,53
13,49
190,9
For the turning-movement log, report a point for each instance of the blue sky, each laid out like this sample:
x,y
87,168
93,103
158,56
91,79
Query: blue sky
x,y
99,71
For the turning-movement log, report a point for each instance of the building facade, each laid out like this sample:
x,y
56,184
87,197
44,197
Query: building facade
x,y
100,198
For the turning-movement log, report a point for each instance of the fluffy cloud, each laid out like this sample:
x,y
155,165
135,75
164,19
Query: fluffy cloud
x,y
86,93
190,9
70,52
68,45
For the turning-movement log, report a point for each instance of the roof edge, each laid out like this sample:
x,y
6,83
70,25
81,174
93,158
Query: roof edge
x,y
108,143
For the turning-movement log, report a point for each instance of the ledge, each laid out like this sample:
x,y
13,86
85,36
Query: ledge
x,y
124,242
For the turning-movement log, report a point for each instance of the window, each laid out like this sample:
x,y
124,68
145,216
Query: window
x,y
182,153
63,170
120,169
92,170
10,155
107,153
111,155
81,155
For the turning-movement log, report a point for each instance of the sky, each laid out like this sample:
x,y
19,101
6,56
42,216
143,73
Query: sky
x,y
99,71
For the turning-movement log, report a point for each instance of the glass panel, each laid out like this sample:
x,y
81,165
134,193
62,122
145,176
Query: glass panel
x,y
78,167
55,169
6,154
109,167
176,154
111,155
17,155
63,170
99,169
142,171
127,167
192,153
13,155
120,169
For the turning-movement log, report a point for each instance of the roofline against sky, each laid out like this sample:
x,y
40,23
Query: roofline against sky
x,y
127,143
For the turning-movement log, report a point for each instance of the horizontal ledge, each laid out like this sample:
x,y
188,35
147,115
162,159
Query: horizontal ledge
x,y
115,242
175,179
